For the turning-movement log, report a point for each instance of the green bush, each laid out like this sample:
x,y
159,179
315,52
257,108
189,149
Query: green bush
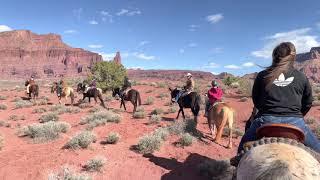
x,y
51,116
229,80
112,138
81,140
3,107
148,144
109,75
149,101
95,164
185,140
44,132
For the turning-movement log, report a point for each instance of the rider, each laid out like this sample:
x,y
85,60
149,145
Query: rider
x,y
31,82
282,94
126,86
188,88
92,85
61,85
214,95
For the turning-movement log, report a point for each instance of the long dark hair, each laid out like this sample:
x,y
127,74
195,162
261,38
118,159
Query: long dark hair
x,y
283,57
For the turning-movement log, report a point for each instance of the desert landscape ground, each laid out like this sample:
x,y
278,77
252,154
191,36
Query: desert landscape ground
x,y
25,157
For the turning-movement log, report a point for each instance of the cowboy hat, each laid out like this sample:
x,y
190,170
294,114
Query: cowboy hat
x,y
189,74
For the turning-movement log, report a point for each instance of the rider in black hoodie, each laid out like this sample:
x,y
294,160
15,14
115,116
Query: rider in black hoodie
x,y
282,94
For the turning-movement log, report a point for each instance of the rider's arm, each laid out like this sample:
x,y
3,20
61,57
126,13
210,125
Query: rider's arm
x,y
256,89
307,98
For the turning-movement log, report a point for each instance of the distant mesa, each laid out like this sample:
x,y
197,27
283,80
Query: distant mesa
x,y
117,58
23,53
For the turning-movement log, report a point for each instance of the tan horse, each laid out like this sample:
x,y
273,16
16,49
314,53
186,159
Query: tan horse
x,y
218,116
65,92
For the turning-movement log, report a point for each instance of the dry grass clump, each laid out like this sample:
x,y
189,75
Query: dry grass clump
x,y
185,140
100,118
39,110
3,107
51,116
67,173
95,165
44,132
155,119
22,104
112,138
148,144
61,109
157,111
16,117
310,120
139,114
4,124
149,101
3,97
81,140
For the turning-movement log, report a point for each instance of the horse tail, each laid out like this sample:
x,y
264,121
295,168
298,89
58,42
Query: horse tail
x,y
36,93
138,98
72,96
196,105
101,99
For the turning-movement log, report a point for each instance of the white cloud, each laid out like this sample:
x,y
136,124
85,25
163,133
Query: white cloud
x,y
126,12
143,56
93,22
5,28
106,15
211,65
107,56
215,73
248,64
299,37
135,68
192,45
215,18
193,27
142,43
95,46
77,13
70,31
216,50
181,51
232,66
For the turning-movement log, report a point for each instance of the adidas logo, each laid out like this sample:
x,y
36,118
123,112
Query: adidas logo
x,y
282,81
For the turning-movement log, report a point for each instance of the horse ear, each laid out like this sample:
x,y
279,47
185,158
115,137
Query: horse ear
x,y
170,89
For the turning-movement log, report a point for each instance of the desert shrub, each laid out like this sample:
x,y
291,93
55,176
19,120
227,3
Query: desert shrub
x,y
39,110
310,120
1,141
162,133
155,119
3,97
100,118
180,127
3,107
22,104
316,90
40,102
108,97
148,144
16,99
185,140
162,95
172,109
153,84
216,169
316,130
229,80
112,138
161,85
81,140
245,86
157,111
108,74
96,109
95,164
44,132
66,173
139,115
140,109
84,105
13,117
243,99
4,124
167,103
149,91
149,101
51,116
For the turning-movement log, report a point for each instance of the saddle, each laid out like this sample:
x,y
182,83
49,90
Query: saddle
x,y
214,105
281,130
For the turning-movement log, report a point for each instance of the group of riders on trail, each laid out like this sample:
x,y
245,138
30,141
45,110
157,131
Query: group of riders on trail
x,y
281,95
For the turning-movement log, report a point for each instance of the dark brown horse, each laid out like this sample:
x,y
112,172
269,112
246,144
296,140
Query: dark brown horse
x,y
133,96
33,90
192,101
93,92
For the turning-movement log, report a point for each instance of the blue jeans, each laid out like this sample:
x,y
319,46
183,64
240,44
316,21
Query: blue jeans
x,y
310,139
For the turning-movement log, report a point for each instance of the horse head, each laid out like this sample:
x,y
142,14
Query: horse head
x,y
54,87
174,93
116,91
26,83
80,87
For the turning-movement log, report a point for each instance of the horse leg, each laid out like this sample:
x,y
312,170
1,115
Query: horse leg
x,y
224,117
134,103
230,123
179,113
124,104
184,117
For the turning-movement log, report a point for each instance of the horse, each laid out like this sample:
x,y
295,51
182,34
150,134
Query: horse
x,y
92,92
218,116
33,90
63,92
192,101
132,95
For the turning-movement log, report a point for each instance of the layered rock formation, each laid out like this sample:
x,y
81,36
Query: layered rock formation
x,y
23,53
117,58
309,63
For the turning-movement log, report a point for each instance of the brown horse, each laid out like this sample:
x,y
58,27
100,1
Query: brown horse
x,y
94,92
133,96
64,92
218,116
33,90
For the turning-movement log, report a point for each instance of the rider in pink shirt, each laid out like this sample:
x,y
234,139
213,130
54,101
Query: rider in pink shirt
x,y
214,95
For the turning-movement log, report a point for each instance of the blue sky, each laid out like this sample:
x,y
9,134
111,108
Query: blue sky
x,y
210,35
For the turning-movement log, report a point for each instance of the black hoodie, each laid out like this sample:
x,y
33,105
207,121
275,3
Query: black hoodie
x,y
289,95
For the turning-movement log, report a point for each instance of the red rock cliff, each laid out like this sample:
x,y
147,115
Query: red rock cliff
x,y
23,53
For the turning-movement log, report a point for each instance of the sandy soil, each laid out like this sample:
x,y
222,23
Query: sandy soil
x,y
21,159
